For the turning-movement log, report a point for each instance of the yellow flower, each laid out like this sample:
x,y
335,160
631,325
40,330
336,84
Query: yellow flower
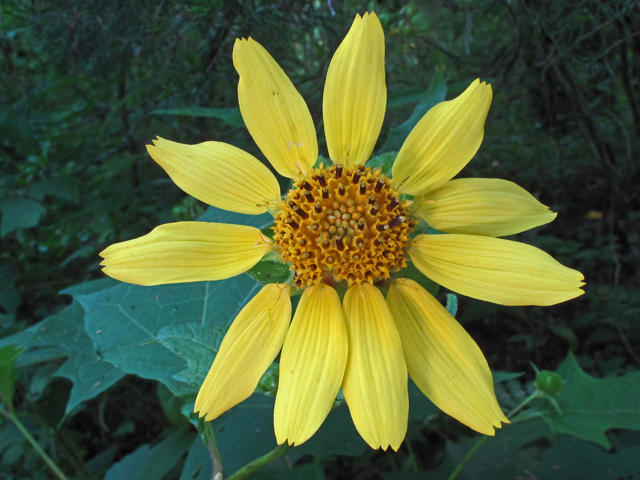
x,y
347,224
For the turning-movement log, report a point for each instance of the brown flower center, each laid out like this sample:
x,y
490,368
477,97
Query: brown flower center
x,y
348,222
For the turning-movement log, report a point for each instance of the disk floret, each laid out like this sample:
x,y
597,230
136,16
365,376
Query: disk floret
x,y
343,221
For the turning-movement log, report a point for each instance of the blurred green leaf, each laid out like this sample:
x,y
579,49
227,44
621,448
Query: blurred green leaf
x,y
19,213
420,22
8,375
155,462
55,187
230,116
504,456
561,331
570,458
504,376
591,406
435,94
9,296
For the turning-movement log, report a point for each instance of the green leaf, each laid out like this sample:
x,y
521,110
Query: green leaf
x,y
435,94
197,466
336,436
19,213
280,471
63,334
384,162
245,432
230,116
125,321
197,344
591,406
8,374
420,407
152,462
90,374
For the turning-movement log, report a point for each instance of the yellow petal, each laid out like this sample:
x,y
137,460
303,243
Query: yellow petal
x,y
375,381
495,270
312,365
218,174
442,359
186,252
482,206
249,347
275,113
443,141
355,94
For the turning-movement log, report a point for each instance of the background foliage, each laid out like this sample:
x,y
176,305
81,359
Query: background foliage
x,y
87,84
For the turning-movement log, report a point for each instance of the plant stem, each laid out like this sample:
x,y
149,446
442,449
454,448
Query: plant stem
x,y
50,463
216,462
523,404
484,439
259,463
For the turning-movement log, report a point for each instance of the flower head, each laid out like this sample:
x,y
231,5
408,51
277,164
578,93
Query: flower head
x,y
348,225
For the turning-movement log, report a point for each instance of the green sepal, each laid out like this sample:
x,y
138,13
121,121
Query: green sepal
x,y
322,161
268,384
384,162
271,269
452,304
268,231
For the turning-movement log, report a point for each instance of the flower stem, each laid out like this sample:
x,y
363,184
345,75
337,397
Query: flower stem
x,y
216,462
484,439
50,463
259,463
